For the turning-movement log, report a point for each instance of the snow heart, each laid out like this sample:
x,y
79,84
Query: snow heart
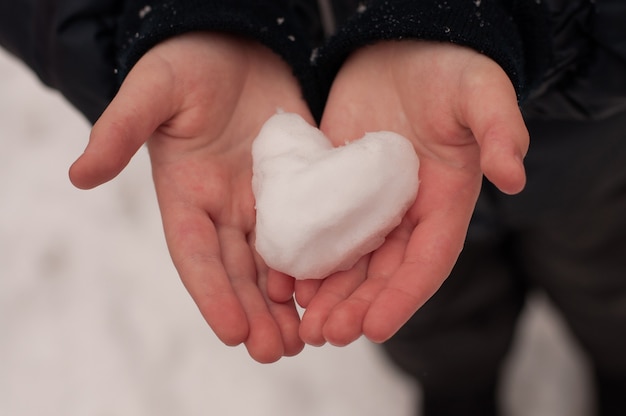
x,y
320,208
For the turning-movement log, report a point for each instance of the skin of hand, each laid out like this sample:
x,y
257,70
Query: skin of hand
x,y
460,111
198,100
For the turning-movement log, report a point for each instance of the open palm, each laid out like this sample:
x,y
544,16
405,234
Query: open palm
x,y
199,100
460,111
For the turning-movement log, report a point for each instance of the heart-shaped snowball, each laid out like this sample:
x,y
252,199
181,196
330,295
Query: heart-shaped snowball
x,y
320,208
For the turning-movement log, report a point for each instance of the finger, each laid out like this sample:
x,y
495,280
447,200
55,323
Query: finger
x,y
195,250
284,312
305,290
492,113
411,286
502,163
265,341
280,287
430,253
143,103
345,323
288,320
333,290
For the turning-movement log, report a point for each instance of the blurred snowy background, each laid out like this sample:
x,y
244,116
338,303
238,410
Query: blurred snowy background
x,y
94,321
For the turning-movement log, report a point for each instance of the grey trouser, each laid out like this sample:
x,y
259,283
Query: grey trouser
x,y
564,235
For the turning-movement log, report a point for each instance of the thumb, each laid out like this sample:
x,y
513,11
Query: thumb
x,y
143,103
496,121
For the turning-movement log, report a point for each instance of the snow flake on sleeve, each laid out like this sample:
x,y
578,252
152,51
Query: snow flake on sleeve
x,y
145,11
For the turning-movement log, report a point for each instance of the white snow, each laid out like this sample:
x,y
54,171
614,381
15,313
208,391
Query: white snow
x,y
321,208
94,320
93,317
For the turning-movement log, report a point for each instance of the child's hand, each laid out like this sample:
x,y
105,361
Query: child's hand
x,y
460,110
199,100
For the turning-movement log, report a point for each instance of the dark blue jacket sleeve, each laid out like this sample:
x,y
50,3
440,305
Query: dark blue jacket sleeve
x,y
70,45
85,48
512,32
287,27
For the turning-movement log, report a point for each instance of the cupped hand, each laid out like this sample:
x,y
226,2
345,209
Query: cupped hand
x,y
199,100
460,111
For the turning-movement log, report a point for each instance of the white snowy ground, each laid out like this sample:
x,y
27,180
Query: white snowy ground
x,y
94,321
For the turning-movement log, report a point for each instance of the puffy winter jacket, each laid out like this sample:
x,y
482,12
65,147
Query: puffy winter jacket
x,y
574,67
70,44
570,62
587,76
84,48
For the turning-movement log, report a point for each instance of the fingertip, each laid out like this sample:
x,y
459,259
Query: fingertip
x,y
231,332
87,173
106,155
394,307
376,330
280,287
310,330
337,336
344,325
232,328
265,357
506,172
294,348
264,343
305,290
503,147
516,182
77,177
288,321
